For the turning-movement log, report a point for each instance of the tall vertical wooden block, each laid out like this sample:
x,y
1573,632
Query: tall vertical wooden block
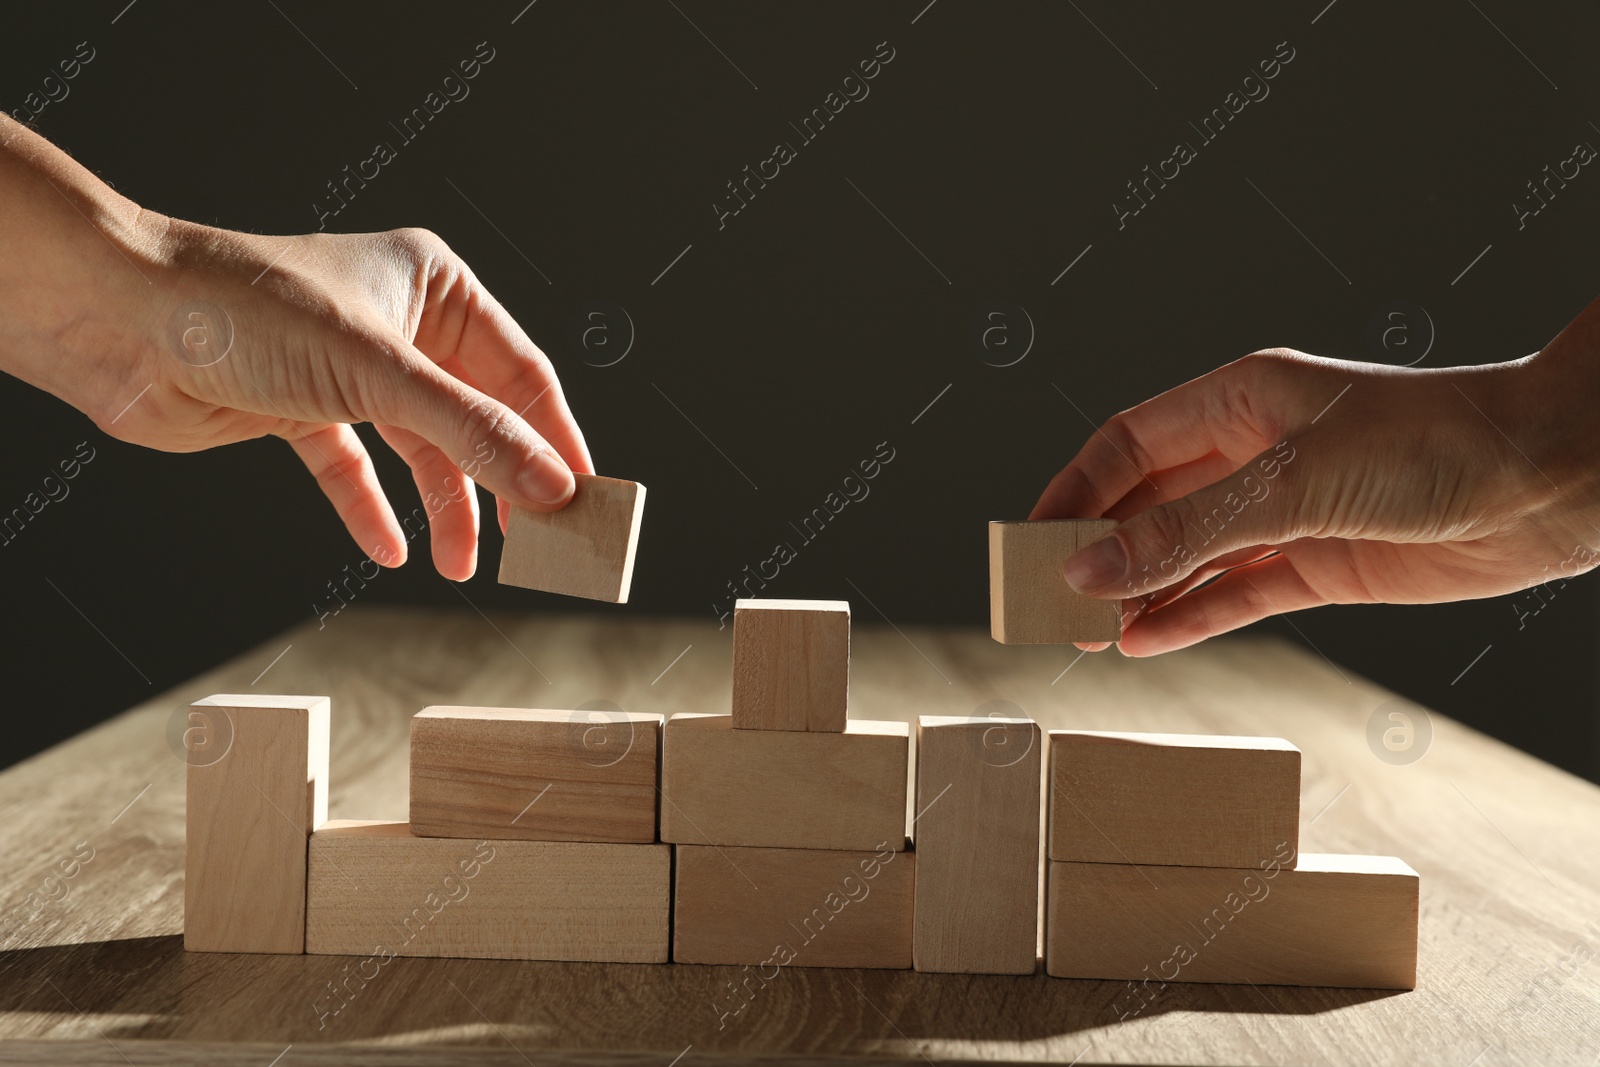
x,y
977,838
534,775
585,549
793,907
257,787
784,788
791,664
1191,799
377,890
1331,920
1030,603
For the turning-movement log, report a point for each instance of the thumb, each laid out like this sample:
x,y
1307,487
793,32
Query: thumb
x,y
1259,504
476,432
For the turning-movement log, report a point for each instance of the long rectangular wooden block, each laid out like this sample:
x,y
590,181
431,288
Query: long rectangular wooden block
x,y
534,775
1191,799
257,787
376,889
1030,603
1331,921
791,664
977,836
586,549
784,788
782,907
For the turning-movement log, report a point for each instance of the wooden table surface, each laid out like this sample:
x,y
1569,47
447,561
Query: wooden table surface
x,y
92,967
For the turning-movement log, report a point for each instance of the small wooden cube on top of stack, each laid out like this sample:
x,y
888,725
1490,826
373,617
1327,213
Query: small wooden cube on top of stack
x,y
789,817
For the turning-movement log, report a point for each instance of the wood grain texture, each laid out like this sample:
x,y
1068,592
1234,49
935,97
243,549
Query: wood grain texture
x,y
1029,602
1193,799
977,835
535,775
784,788
257,787
791,664
100,955
374,889
1330,921
586,549
772,908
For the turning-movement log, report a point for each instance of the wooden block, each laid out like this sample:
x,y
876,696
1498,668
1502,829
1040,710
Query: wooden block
x,y
376,889
585,549
1192,799
1029,602
1331,921
257,787
793,907
784,788
791,664
977,835
533,775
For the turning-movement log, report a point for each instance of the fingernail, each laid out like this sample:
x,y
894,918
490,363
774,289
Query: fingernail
x,y
1097,566
545,479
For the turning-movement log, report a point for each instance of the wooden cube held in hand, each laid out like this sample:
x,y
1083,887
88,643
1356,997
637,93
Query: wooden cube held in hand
x,y
585,549
1030,603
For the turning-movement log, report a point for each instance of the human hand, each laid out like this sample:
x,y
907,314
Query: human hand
x,y
181,337
1284,481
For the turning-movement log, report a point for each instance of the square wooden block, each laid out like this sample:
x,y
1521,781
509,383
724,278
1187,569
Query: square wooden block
x,y
1029,602
257,787
534,775
977,839
792,907
791,664
585,549
784,788
1192,799
377,890
1330,921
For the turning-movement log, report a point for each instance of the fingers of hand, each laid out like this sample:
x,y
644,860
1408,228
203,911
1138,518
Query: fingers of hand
x,y
1242,596
449,502
340,463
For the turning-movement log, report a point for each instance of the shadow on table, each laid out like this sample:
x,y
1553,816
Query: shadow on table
x,y
150,988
